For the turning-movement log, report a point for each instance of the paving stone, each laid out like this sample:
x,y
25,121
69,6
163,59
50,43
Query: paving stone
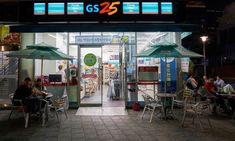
x,y
119,137
114,128
102,131
115,131
100,127
148,138
80,135
105,136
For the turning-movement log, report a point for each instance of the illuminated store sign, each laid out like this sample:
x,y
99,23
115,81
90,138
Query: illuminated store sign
x,y
130,7
75,8
166,8
99,10
55,8
39,9
149,7
104,8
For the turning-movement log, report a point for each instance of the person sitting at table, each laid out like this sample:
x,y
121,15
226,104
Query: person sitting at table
x,y
27,94
222,87
38,86
191,83
23,91
211,88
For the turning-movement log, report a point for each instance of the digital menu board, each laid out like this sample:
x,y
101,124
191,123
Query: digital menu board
x,y
149,7
55,8
39,9
75,8
130,7
166,8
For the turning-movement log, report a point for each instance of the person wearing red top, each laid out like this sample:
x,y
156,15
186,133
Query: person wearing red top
x,y
211,88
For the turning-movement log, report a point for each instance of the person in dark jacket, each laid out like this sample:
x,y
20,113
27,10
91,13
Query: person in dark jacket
x,y
24,90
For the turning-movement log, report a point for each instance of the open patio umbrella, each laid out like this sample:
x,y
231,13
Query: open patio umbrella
x,y
167,49
40,51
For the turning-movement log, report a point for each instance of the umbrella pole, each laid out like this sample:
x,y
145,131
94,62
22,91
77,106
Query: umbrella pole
x,y
165,74
41,73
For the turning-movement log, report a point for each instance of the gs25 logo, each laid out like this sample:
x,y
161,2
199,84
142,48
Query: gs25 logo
x,y
102,8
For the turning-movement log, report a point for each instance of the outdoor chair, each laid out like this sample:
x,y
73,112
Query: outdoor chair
x,y
59,105
17,106
179,100
40,112
197,110
151,104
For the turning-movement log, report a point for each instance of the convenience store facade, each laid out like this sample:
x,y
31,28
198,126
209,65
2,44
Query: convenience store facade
x,y
113,36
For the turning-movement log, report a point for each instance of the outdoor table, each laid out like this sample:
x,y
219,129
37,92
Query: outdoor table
x,y
164,98
227,95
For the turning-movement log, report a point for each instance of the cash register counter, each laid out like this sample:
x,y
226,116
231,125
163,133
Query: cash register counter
x,y
58,89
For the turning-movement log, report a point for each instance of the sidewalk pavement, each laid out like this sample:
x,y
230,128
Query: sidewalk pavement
x,y
113,128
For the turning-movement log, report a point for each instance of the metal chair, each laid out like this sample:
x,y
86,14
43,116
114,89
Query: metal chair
x,y
59,105
17,105
150,104
41,112
197,110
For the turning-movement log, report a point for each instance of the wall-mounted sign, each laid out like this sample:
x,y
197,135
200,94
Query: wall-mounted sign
x,y
185,64
101,39
39,8
55,8
90,59
98,10
75,8
131,8
150,8
166,8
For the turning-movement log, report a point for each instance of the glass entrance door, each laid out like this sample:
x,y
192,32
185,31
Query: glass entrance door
x,y
91,76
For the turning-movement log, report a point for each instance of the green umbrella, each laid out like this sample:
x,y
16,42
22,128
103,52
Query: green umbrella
x,y
40,51
167,49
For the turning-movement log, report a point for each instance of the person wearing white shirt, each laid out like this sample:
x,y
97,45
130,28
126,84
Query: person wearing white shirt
x,y
222,87
219,83
62,72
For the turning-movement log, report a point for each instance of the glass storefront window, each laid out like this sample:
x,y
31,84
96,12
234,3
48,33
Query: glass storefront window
x,y
123,52
58,40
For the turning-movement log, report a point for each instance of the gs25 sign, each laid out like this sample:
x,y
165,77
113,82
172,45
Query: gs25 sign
x,y
106,7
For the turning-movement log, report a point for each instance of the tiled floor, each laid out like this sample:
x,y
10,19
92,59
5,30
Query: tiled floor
x,y
114,128
102,111
107,102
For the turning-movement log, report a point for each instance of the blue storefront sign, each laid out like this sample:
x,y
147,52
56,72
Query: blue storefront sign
x,y
171,75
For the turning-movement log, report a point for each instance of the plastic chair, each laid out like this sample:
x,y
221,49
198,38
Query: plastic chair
x,y
150,104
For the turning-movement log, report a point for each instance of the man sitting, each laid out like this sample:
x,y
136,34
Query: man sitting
x,y
23,91
27,94
211,88
222,87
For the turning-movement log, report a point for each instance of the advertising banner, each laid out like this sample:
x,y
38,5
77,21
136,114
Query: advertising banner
x,y
185,64
171,74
